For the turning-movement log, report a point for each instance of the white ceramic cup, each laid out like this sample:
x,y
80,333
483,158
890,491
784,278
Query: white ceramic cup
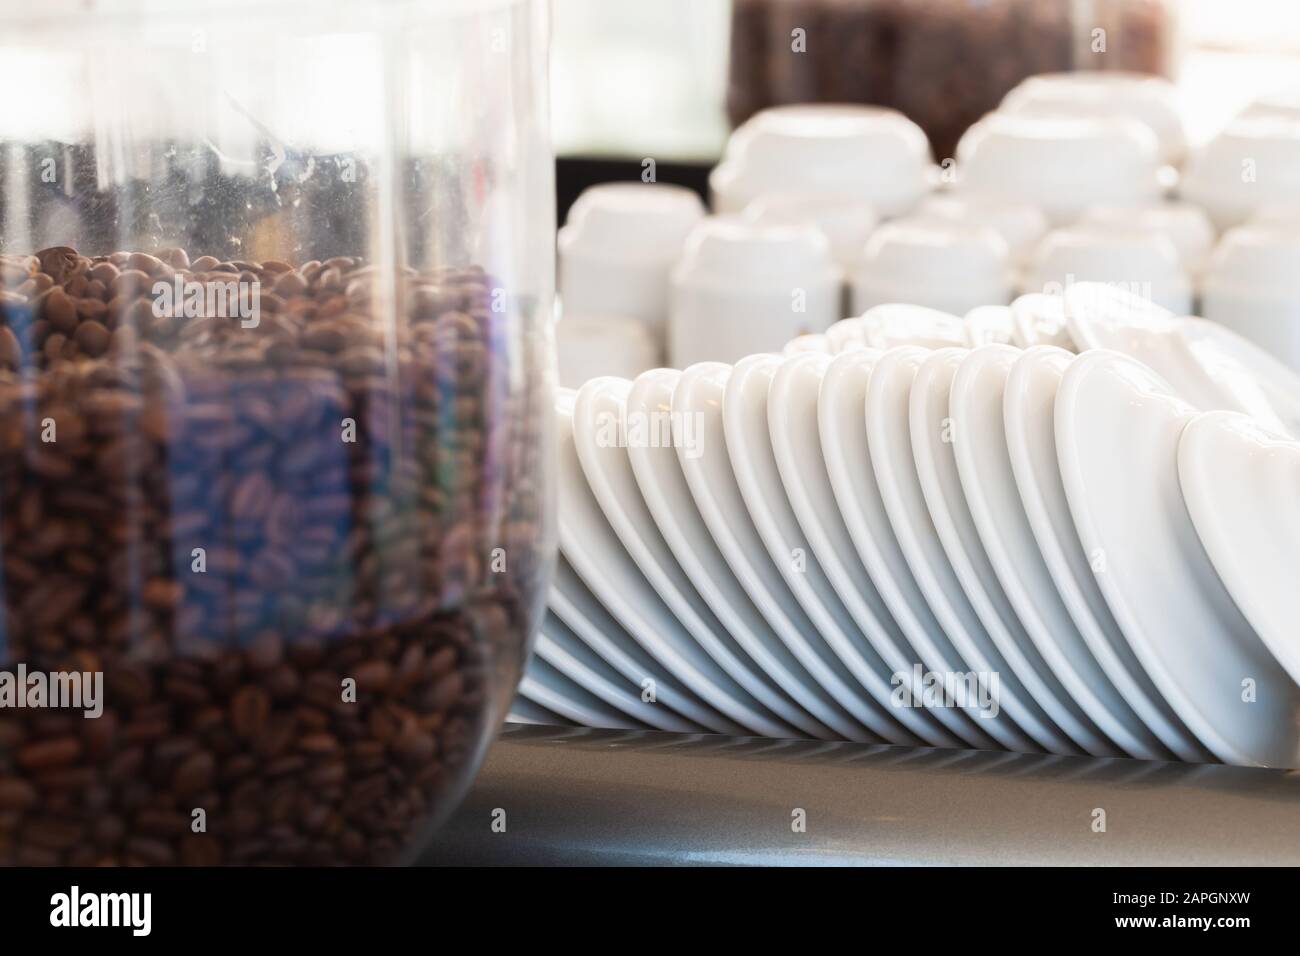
x,y
1284,102
1186,225
1060,164
846,221
742,287
588,346
1151,100
874,154
618,247
940,264
1283,214
1146,263
1020,224
1253,164
1250,284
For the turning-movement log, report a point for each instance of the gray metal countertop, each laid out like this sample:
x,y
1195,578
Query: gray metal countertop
x,y
577,796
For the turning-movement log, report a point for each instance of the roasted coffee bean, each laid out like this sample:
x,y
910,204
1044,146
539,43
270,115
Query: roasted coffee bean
x,y
44,754
11,351
17,794
58,262
289,284
249,710
60,311
104,272
92,338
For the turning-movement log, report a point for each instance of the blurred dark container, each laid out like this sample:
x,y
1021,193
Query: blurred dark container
x,y
944,63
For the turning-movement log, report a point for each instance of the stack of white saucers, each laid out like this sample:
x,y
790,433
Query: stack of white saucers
x,y
894,534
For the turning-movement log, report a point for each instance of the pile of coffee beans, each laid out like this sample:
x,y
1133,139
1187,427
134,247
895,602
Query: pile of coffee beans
x,y
944,63
295,516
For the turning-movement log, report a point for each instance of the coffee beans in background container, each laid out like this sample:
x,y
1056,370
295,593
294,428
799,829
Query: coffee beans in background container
x,y
943,63
296,517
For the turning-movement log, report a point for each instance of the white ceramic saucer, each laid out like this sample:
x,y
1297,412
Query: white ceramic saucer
x,y
524,711
895,324
988,482
889,439
1030,692
663,486
749,445
1107,317
1209,341
805,517
602,432
572,603
1029,417
547,687
1118,426
1038,318
713,485
990,325
565,651
1242,486
594,551
859,507
846,335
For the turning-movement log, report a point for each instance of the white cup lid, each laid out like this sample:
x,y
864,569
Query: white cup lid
x,y
1020,224
919,250
1255,261
846,221
1185,224
1145,261
1253,163
1151,100
1284,102
1060,164
1277,214
872,153
589,345
734,253
626,219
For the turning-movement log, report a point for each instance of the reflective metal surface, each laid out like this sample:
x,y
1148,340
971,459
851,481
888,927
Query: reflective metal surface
x,y
557,795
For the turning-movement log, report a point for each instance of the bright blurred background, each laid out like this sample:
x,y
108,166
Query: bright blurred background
x,y
633,79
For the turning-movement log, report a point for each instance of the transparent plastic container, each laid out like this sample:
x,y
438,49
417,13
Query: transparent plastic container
x,y
275,383
944,63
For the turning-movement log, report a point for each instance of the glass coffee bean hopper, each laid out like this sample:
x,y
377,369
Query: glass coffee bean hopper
x,y
275,381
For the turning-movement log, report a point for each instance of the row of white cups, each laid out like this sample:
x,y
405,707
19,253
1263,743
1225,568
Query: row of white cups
x,y
824,210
